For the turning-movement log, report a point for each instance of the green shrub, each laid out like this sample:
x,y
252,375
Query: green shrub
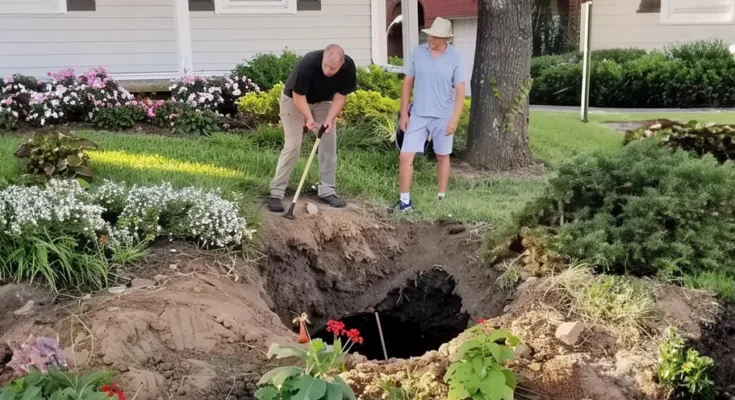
x,y
191,121
683,370
394,60
696,74
620,56
117,118
263,107
641,210
56,154
8,119
266,70
365,106
696,137
57,384
376,79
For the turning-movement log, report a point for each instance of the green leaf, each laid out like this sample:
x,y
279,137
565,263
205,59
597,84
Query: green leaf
x,y
74,160
346,389
479,366
286,351
466,347
460,371
510,378
493,385
494,349
458,392
83,170
267,393
31,393
278,375
334,391
507,354
509,394
309,388
7,395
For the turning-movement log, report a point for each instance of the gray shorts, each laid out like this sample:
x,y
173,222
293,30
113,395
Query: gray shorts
x,y
419,129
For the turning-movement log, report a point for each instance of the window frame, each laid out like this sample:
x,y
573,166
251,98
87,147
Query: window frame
x,y
693,17
257,7
49,7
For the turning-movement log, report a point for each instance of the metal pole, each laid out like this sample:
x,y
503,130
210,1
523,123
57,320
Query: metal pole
x,y
586,64
382,340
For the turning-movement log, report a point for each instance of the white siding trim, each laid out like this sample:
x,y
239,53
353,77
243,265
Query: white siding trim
x,y
182,26
255,7
379,35
35,7
145,76
697,12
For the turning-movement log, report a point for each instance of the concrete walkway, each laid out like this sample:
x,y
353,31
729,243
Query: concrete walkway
x,y
594,110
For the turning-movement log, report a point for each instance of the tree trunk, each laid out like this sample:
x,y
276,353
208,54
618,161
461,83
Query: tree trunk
x,y
498,128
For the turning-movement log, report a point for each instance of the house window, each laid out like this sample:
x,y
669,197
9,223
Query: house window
x,y
81,5
34,7
650,6
309,5
697,12
255,6
201,5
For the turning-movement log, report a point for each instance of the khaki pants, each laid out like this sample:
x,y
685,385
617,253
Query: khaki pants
x,y
293,127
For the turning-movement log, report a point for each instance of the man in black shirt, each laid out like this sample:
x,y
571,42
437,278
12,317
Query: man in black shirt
x,y
314,94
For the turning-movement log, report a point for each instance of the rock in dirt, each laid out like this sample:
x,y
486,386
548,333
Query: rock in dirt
x,y
138,283
173,266
197,289
117,289
311,208
108,360
523,351
569,332
26,309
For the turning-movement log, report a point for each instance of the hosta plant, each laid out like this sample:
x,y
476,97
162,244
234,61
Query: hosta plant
x,y
317,379
58,384
55,153
478,373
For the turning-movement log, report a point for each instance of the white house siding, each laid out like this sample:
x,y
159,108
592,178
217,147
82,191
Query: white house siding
x,y
219,42
465,36
617,24
124,36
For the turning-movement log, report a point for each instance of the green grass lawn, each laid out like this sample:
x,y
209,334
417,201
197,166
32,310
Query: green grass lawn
x,y
245,164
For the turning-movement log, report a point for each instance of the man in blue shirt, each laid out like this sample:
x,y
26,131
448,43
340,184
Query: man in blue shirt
x,y
435,72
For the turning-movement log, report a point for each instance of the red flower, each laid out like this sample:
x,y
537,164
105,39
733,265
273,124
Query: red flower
x,y
354,336
480,321
112,391
336,327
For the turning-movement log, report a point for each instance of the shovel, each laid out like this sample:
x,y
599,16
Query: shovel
x,y
289,213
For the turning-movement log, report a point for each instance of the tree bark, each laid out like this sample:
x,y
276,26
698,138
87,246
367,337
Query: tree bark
x,y
498,128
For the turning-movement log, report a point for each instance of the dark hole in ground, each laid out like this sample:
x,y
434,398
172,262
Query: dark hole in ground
x,y
416,318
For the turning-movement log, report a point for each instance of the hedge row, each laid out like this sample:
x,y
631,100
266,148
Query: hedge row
x,y
696,74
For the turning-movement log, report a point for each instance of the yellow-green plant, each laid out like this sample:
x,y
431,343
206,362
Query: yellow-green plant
x,y
479,373
683,369
262,107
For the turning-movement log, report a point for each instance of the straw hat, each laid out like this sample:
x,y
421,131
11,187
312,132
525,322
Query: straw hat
x,y
441,28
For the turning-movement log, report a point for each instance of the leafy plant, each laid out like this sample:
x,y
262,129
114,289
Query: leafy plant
x,y
364,106
55,153
317,379
117,118
58,384
191,121
262,107
478,372
376,79
8,119
267,70
695,136
683,369
393,390
508,279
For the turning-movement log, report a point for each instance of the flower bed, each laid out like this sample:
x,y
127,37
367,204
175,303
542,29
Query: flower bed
x,y
76,229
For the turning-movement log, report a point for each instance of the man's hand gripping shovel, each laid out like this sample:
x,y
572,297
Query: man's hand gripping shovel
x,y
289,213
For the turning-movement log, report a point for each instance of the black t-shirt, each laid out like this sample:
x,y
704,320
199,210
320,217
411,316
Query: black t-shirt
x,y
307,78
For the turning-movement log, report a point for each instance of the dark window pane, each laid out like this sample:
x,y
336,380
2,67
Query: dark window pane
x,y
309,5
81,5
201,5
650,6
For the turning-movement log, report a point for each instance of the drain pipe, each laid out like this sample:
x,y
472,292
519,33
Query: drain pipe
x,y
382,340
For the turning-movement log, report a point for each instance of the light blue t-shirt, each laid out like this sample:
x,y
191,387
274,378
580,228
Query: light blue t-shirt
x,y
434,81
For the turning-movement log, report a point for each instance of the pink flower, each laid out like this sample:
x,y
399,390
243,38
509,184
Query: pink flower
x,y
117,105
9,101
134,103
9,80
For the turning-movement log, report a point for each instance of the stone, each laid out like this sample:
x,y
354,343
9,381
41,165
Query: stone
x,y
197,290
506,309
113,309
536,367
227,323
311,208
230,340
117,289
569,332
107,360
252,336
142,283
531,279
123,368
655,127
173,266
219,319
157,358
523,351
26,309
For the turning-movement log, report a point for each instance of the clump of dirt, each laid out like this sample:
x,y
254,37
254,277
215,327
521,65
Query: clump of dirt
x,y
716,342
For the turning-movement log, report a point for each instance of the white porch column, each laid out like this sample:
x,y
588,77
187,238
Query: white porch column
x,y
410,21
183,37
379,35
